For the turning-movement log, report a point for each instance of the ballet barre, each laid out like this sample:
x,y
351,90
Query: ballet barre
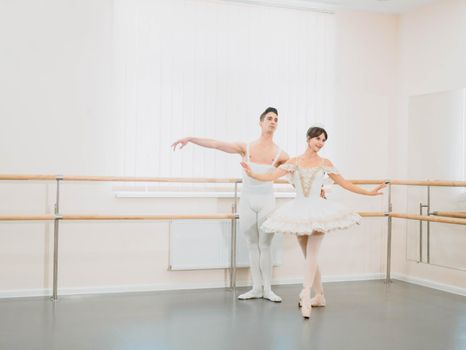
x,y
117,178
437,183
447,217
443,220
451,214
81,217
428,184
45,217
74,217
57,216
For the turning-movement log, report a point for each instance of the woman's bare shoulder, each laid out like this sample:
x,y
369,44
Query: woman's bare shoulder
x,y
326,162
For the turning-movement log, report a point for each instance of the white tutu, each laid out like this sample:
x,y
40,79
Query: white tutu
x,y
309,212
302,216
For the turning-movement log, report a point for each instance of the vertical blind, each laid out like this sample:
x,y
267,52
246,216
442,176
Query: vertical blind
x,y
209,69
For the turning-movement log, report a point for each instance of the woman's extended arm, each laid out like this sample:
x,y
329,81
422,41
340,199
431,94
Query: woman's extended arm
x,y
338,179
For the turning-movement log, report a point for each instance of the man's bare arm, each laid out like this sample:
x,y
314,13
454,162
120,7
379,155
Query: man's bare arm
x,y
228,147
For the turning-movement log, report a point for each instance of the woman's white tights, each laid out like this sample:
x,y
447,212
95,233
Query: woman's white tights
x,y
310,245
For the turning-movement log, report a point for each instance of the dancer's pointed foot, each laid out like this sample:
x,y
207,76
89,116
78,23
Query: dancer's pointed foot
x,y
255,293
318,300
305,302
269,295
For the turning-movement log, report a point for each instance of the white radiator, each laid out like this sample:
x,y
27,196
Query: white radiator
x,y
197,245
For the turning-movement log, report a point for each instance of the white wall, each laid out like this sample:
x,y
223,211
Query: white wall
x,y
56,87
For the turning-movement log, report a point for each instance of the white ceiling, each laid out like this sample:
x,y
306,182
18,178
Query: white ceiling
x,y
387,6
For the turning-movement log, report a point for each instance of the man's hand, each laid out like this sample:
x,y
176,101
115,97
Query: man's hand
x,y
247,168
181,142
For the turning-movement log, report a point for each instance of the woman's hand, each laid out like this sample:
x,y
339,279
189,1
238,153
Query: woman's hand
x,y
322,193
376,190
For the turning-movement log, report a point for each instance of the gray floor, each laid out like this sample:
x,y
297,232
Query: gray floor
x,y
359,315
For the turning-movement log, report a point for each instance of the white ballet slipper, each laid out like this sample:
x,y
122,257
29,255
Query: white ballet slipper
x,y
270,295
252,294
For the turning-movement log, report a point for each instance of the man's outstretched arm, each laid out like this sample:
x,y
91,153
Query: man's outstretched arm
x,y
228,147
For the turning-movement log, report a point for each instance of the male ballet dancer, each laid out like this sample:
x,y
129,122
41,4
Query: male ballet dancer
x,y
257,198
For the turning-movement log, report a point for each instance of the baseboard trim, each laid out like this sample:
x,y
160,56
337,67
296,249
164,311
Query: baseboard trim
x,y
430,284
23,293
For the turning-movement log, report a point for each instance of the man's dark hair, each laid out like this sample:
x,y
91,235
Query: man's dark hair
x,y
269,109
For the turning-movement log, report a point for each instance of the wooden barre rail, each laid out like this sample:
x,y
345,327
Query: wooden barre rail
x,y
147,179
27,177
91,217
452,214
443,220
212,180
372,214
439,183
150,179
152,217
77,217
117,178
45,217
74,217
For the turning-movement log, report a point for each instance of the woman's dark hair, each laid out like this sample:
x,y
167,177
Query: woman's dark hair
x,y
315,131
269,109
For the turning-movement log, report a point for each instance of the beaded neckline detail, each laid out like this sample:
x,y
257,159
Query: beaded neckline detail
x,y
306,180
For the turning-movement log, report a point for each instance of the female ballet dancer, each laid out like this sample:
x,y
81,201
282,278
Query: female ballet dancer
x,y
309,216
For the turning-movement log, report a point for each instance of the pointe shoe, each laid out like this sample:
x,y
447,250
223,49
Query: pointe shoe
x,y
252,294
318,300
305,302
269,295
